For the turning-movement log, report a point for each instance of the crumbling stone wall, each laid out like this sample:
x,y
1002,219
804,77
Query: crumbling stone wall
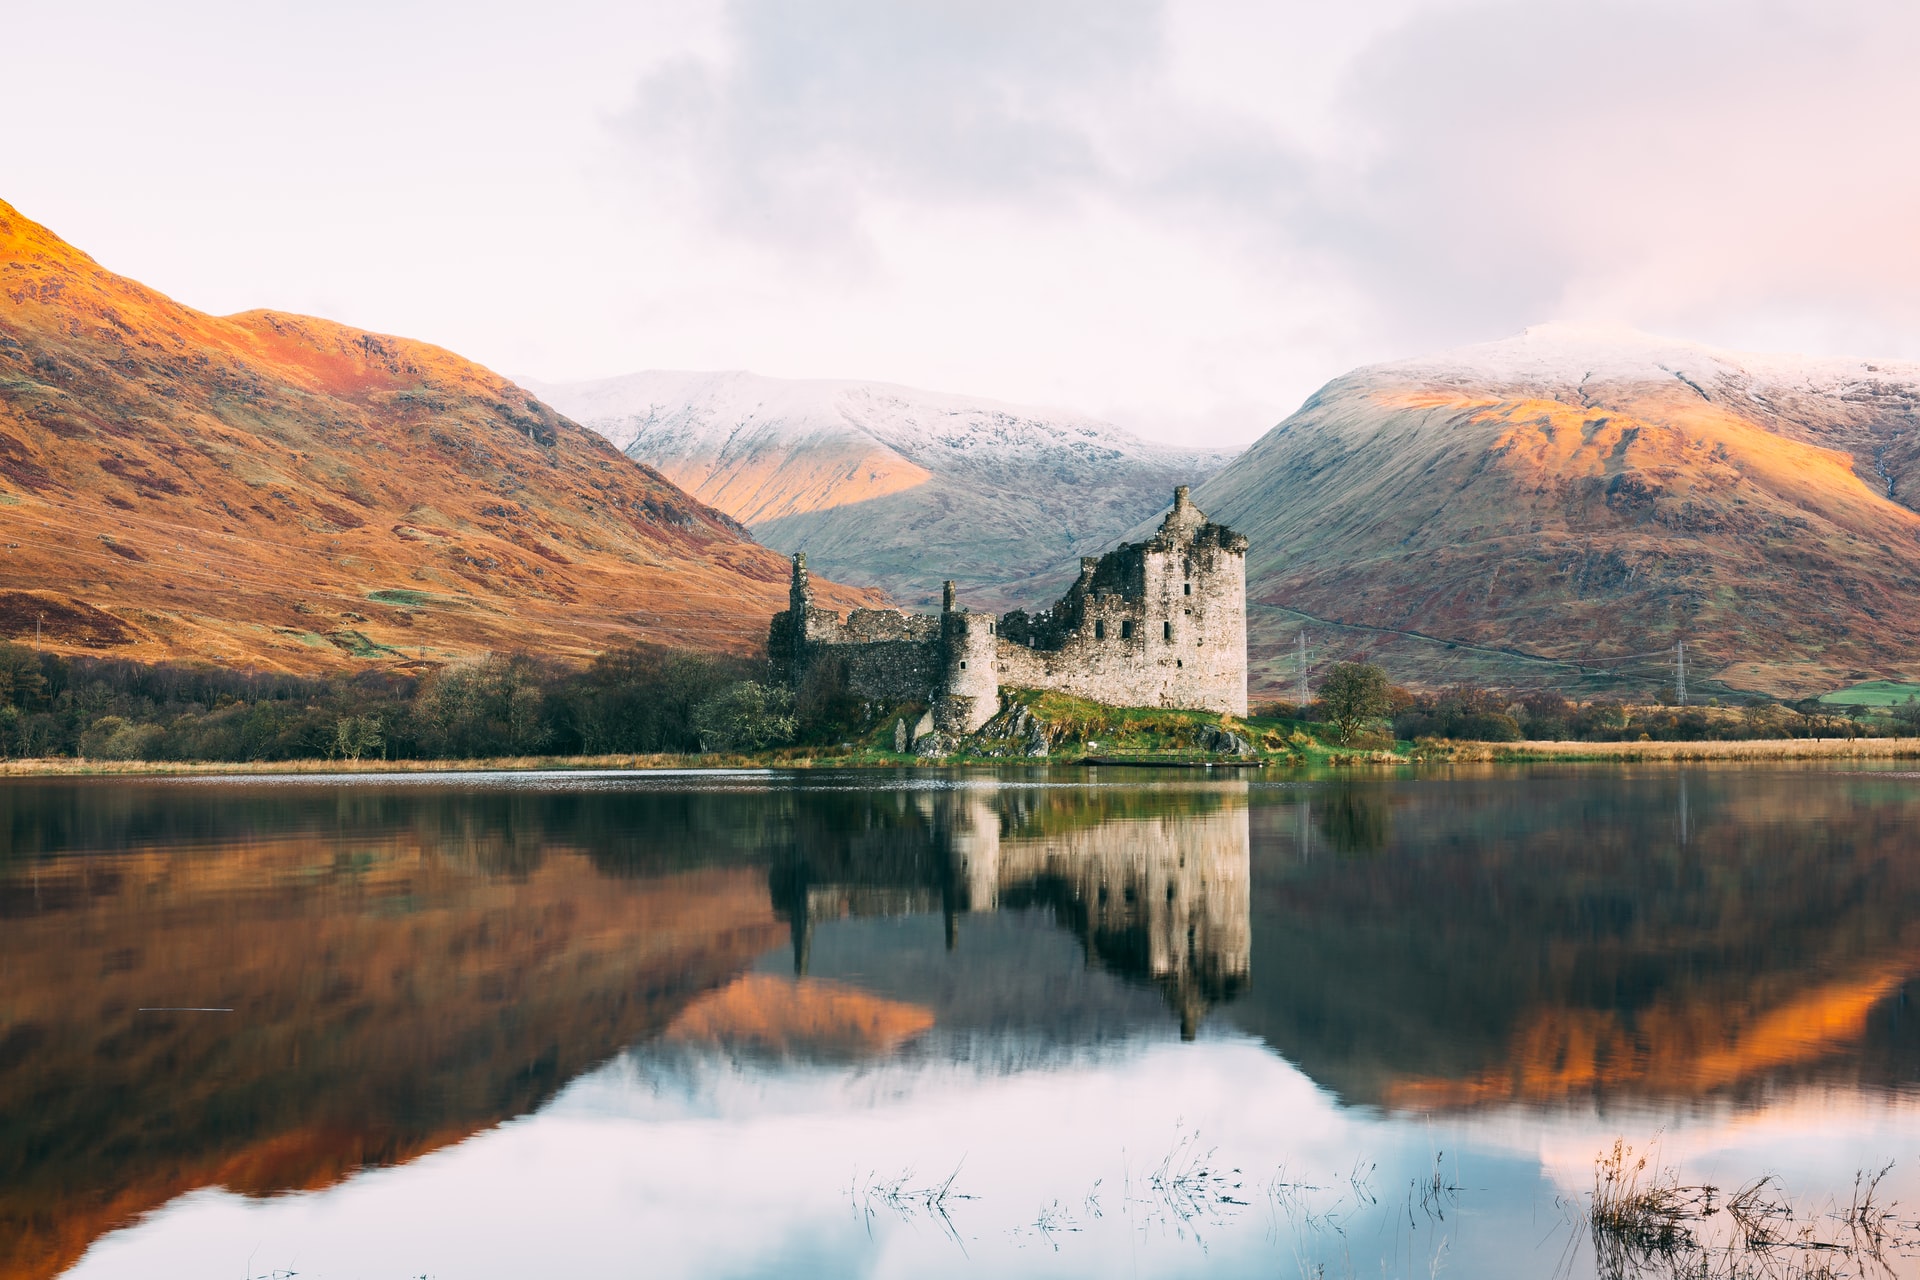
x,y
1160,623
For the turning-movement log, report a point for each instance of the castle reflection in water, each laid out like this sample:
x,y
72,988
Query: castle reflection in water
x,y
1155,897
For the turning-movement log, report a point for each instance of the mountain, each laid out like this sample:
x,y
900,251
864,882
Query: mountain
x,y
1575,496
892,486
282,492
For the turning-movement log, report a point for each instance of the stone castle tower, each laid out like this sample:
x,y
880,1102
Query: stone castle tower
x,y
1160,623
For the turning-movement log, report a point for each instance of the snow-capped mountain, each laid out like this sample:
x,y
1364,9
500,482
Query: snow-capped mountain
x,y
890,485
1580,494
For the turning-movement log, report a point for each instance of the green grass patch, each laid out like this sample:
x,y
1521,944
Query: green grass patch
x,y
1872,693
359,643
312,639
399,596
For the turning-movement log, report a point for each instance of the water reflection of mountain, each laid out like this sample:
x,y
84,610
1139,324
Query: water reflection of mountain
x,y
1583,935
407,965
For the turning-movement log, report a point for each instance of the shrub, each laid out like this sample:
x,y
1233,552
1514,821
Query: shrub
x,y
114,738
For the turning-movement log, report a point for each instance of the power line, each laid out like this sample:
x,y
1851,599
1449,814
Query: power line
x,y
1303,669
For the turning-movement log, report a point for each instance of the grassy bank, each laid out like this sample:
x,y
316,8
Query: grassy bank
x,y
1314,754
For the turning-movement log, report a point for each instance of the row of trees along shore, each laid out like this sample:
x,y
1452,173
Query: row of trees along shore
x,y
645,699
1359,702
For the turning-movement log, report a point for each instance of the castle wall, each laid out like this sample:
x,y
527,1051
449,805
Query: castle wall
x,y
1161,623
1166,649
889,656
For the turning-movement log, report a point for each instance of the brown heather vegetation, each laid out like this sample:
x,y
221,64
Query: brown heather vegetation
x,y
1422,521
281,493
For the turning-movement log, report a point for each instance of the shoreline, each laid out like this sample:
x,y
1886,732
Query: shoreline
x,y
1753,750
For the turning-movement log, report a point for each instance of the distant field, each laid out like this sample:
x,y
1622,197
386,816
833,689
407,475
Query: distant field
x,y
1874,693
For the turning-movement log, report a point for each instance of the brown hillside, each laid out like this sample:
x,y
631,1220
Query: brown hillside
x,y
279,491
1568,497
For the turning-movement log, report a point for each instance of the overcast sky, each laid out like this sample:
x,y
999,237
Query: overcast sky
x,y
1183,217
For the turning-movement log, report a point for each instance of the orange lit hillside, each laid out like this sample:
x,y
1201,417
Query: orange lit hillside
x,y
279,491
1563,497
796,480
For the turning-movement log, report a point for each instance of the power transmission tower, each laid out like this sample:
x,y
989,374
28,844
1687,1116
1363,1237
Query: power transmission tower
x,y
1680,672
1302,668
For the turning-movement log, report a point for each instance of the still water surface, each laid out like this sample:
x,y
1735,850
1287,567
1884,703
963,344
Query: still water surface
x,y
1137,1024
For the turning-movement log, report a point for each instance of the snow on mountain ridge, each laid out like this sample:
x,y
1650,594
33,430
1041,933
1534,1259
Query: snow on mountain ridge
x,y
724,411
1567,354
892,485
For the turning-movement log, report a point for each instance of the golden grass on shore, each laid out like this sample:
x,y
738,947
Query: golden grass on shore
x,y
68,767
1755,749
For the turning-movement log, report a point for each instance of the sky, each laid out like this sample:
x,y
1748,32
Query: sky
x,y
1182,217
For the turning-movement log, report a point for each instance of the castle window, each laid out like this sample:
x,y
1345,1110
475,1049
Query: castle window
x,y
1099,631
1126,631
963,664
989,628
1178,662
1189,590
1166,631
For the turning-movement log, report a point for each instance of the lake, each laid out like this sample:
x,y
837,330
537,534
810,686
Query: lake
x,y
1041,1022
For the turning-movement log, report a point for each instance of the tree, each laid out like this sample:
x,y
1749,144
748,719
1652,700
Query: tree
x,y
640,697
490,706
1548,715
747,716
357,736
1906,716
1353,694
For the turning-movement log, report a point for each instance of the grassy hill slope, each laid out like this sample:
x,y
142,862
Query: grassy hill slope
x,y
1581,498
282,492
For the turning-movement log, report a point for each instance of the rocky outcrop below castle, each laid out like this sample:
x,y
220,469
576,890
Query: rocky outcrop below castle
x,y
1023,731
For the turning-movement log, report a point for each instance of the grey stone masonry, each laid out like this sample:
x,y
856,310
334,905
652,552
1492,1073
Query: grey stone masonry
x,y
1160,623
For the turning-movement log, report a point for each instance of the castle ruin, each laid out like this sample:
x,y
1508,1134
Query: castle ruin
x,y
1160,623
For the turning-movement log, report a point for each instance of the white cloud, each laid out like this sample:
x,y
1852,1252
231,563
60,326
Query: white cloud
x,y
1183,215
